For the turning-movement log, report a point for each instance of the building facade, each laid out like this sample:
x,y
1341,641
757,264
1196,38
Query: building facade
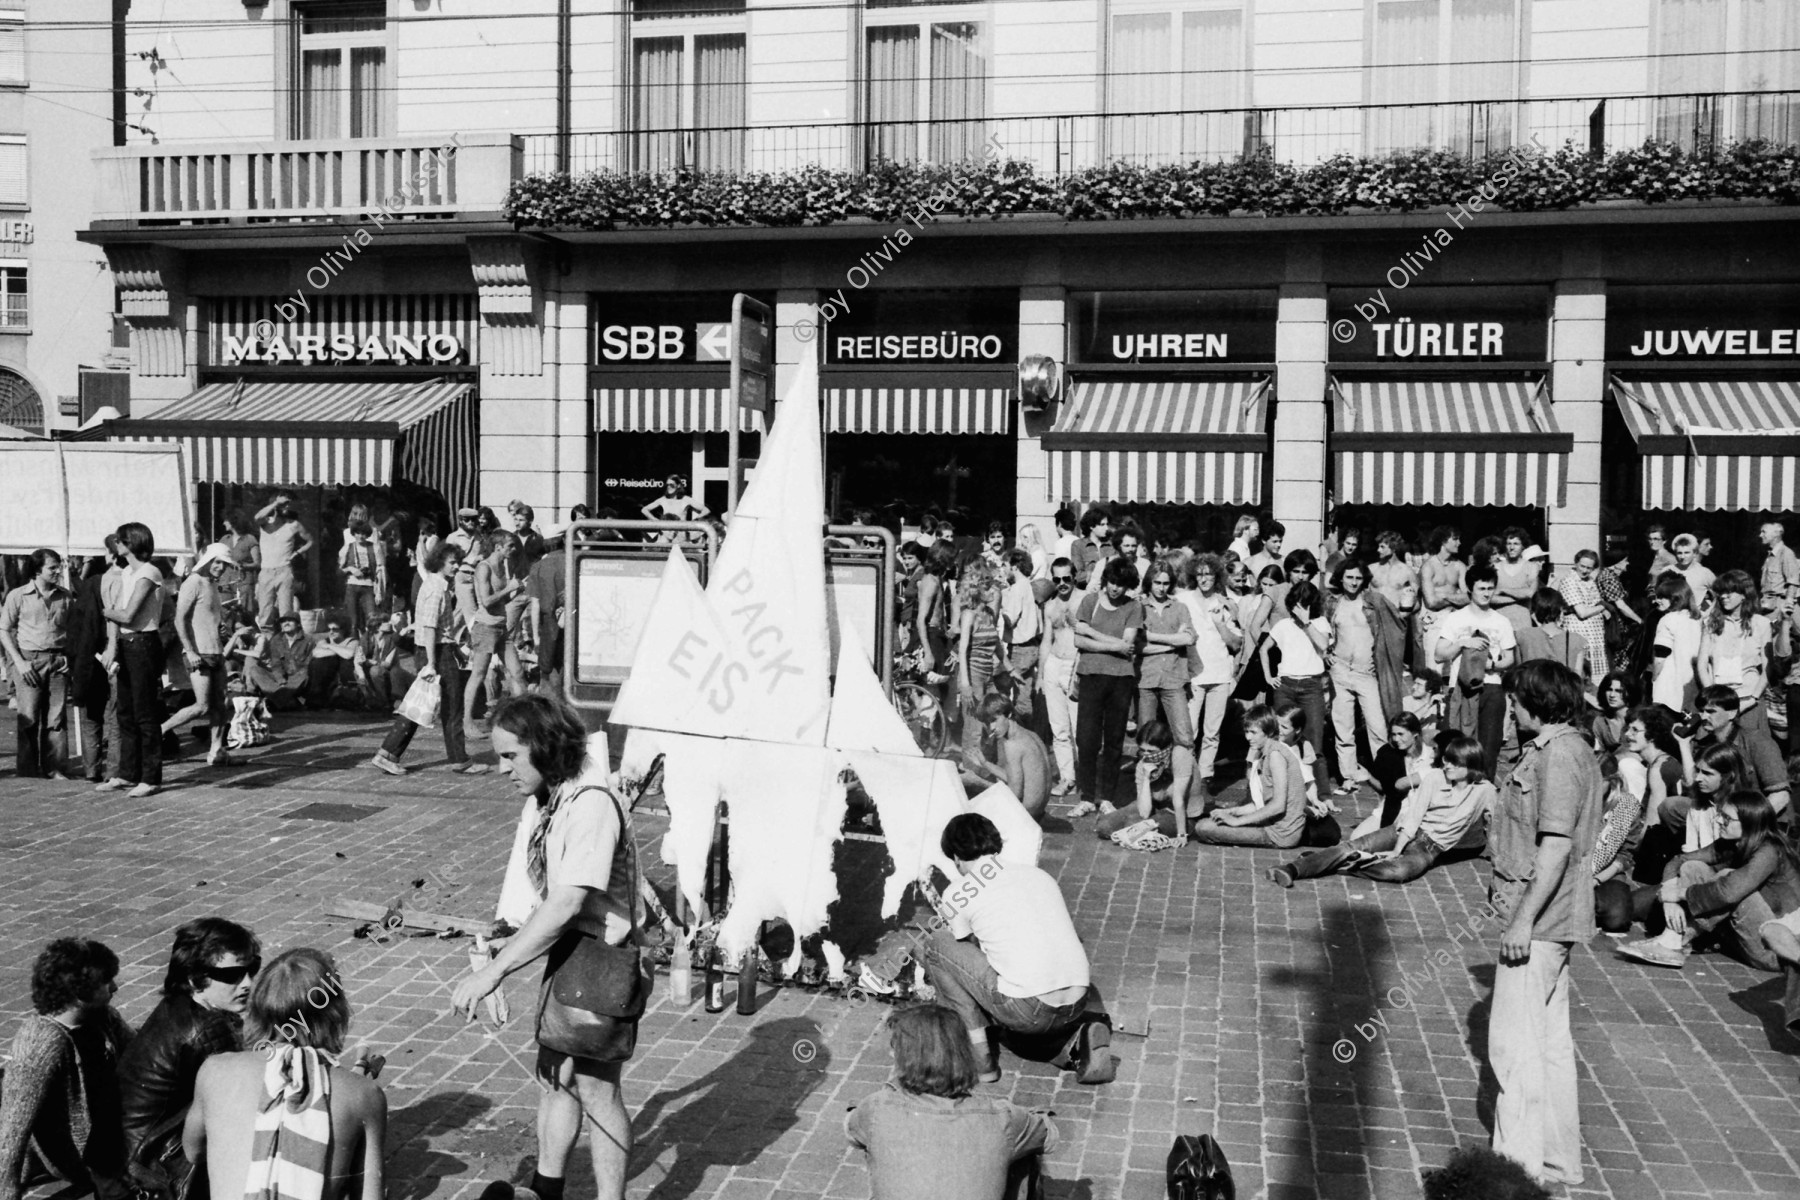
x,y
323,291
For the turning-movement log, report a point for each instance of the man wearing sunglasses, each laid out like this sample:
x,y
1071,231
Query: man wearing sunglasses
x,y
207,988
1057,678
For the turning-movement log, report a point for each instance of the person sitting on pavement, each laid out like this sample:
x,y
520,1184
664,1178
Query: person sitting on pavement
x,y
1615,854
1443,814
388,654
59,1109
1151,823
1020,761
1731,889
205,994
1009,956
338,660
284,1118
927,1135
1766,772
281,673
1782,937
1275,814
1399,768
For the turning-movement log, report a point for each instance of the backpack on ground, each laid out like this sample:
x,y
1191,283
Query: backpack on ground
x,y
249,723
1198,1170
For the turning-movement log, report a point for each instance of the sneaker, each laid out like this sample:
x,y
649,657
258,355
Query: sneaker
x,y
1655,953
382,762
869,982
472,768
112,785
142,791
1280,875
1061,787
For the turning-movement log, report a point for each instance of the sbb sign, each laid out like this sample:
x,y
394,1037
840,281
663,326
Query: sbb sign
x,y
642,343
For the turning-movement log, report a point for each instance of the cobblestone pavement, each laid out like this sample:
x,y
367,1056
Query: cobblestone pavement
x,y
1332,1036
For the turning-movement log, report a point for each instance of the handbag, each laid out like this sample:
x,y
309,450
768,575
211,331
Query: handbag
x,y
593,993
420,705
1198,1171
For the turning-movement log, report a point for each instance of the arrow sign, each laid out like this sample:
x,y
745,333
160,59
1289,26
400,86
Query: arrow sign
x,y
712,341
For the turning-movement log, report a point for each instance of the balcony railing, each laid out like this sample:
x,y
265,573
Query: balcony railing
x,y
1058,144
241,182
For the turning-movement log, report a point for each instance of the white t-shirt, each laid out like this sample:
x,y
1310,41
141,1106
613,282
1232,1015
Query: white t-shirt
x,y
1064,544
1700,580
1464,622
1679,632
149,616
1298,654
1019,916
1210,658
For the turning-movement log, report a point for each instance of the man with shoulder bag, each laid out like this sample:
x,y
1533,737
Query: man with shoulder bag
x,y
582,863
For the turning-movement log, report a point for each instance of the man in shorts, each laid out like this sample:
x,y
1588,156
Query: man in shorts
x,y
582,862
197,624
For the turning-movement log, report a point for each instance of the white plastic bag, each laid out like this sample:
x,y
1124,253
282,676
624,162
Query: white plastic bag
x,y
421,703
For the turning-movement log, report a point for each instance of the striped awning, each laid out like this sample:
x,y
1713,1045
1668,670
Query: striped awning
x,y
1715,444
1447,442
918,410
1168,442
296,434
668,410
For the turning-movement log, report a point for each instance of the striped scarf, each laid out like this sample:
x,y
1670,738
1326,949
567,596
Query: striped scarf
x,y
536,850
291,1156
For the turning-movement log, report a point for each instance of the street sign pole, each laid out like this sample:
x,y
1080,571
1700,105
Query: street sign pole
x,y
752,379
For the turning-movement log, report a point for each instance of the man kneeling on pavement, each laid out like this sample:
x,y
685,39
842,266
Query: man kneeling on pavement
x,y
1010,957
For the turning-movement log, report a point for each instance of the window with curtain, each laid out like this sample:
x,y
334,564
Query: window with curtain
x,y
1140,84
959,76
1213,79
719,101
1484,41
656,102
1690,70
1771,64
15,191
1165,68
342,71
893,93
1403,71
12,47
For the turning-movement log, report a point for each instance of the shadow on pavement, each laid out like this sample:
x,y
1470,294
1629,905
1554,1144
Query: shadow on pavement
x,y
1488,1087
1764,1002
734,1112
414,1169
1340,1042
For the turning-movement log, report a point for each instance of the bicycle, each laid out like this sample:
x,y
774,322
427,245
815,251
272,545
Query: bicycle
x,y
919,705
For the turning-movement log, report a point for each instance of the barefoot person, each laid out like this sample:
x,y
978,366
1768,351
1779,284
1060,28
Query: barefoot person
x,y
284,1119
583,864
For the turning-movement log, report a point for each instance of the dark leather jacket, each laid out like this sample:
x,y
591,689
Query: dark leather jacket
x,y
157,1073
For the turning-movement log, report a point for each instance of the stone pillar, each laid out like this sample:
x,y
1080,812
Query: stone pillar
x,y
799,336
570,346
1578,392
1296,467
519,410
1042,320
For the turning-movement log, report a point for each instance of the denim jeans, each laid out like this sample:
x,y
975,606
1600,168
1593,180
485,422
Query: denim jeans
x,y
1308,691
1100,733
1206,715
43,743
967,985
274,594
1740,930
140,708
450,718
1536,1118
1351,691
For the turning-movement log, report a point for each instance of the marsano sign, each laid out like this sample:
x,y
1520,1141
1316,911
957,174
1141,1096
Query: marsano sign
x,y
341,348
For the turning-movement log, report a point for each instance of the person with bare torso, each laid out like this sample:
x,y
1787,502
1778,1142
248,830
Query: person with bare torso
x,y
332,1120
1023,764
1441,589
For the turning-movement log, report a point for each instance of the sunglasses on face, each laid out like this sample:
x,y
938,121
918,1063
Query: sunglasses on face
x,y
232,975
1062,579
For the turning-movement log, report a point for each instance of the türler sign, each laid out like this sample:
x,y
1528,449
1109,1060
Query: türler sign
x,y
394,349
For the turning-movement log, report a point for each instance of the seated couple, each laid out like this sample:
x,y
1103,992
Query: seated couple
x,y
1280,804
1442,813
1008,956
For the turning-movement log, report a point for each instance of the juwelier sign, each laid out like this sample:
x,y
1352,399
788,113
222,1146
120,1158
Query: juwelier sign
x,y
1714,322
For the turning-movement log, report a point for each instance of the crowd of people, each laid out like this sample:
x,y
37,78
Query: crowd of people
x,y
1615,749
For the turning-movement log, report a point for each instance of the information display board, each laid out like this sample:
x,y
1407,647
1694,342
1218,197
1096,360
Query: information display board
x,y
68,496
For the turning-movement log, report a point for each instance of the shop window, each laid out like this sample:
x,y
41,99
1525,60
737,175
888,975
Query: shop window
x,y
341,71
1696,62
689,85
12,48
1458,61
15,308
931,68
14,189
1170,73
